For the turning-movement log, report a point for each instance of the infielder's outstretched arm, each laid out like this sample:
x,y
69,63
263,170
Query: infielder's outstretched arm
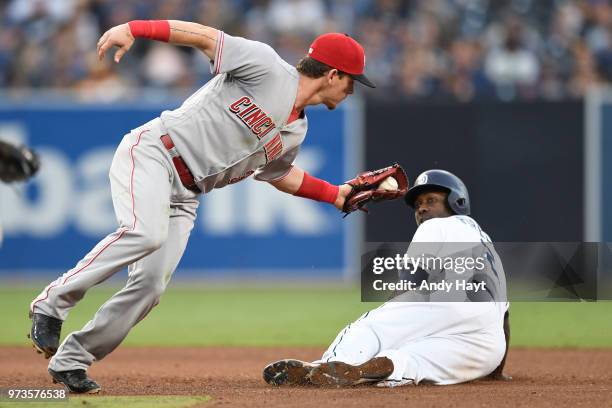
x,y
300,183
291,183
173,31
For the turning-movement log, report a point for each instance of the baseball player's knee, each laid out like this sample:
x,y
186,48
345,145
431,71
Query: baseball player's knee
x,y
354,345
154,296
150,240
157,289
150,288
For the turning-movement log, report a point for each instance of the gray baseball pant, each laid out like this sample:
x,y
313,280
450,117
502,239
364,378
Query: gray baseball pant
x,y
156,214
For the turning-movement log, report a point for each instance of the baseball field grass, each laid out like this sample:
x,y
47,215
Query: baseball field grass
x,y
198,315
163,362
174,401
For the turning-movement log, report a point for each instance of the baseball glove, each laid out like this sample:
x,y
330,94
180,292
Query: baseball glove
x,y
17,163
366,188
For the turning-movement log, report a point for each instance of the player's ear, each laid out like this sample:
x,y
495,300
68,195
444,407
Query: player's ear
x,y
331,74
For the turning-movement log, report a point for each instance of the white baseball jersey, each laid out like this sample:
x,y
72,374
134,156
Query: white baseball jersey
x,y
236,124
456,237
434,342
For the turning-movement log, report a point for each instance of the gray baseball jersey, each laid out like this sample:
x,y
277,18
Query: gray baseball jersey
x,y
236,124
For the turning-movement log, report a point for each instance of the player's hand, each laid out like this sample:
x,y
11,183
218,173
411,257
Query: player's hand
x,y
498,377
343,192
389,183
119,36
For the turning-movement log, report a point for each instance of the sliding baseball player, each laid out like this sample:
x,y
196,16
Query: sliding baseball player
x,y
412,342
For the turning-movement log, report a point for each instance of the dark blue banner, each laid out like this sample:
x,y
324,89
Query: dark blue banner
x,y
247,229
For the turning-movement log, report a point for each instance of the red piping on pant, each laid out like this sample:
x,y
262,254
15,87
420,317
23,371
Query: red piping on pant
x,y
121,230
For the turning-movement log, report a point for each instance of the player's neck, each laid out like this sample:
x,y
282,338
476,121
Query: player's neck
x,y
308,92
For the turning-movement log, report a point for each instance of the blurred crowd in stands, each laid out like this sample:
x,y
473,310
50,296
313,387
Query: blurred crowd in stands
x,y
417,49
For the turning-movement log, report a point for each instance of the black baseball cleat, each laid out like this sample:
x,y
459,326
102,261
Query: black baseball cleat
x,y
45,333
339,374
288,372
75,381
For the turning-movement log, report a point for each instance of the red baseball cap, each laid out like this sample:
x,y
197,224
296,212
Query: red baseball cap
x,y
341,52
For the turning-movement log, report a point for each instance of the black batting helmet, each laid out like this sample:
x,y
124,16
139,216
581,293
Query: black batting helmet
x,y
458,197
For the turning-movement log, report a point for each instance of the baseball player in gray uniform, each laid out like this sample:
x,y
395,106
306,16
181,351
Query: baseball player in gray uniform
x,y
248,120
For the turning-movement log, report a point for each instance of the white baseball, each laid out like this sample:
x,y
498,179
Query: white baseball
x,y
388,184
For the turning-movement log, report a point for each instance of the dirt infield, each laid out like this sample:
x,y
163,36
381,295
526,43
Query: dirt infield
x,y
232,377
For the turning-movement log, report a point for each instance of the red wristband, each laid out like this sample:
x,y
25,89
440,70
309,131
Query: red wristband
x,y
317,189
153,29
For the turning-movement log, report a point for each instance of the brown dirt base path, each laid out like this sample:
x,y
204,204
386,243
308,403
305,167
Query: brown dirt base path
x,y
232,377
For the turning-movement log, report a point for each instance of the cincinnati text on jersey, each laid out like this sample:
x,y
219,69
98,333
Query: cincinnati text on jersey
x,y
260,124
253,116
